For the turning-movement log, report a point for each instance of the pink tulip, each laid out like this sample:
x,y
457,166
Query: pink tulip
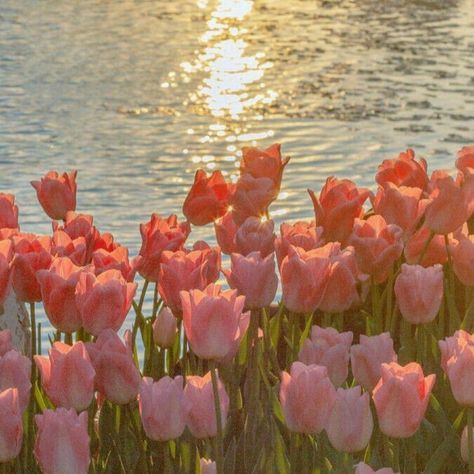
x,y
117,377
401,397
253,277
419,292
300,234
434,253
184,271
465,158
339,203
8,212
5,342
402,206
11,427
165,328
163,408
201,417
377,246
6,256
32,253
67,375
403,171
264,164
304,279
462,253
252,197
330,349
62,442
57,193
368,356
207,466
343,279
64,246
457,361
350,422
363,468
158,235
255,235
208,198
226,229
58,292
448,209
307,397
117,259
15,370
104,300
213,320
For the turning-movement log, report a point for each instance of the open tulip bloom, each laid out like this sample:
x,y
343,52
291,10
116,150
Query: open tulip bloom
x,y
341,343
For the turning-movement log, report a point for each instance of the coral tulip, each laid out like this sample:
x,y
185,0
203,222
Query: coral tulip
x,y
465,158
6,256
8,212
15,370
226,230
434,253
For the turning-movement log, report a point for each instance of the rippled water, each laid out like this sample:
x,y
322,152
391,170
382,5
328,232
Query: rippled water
x,y
137,95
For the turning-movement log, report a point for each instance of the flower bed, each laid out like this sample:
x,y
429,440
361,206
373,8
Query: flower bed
x,y
366,363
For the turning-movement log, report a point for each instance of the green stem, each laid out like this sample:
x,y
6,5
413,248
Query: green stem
x,y
138,313
33,333
470,425
68,338
219,455
396,454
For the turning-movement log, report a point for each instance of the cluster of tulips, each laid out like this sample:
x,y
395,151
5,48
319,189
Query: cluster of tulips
x,y
217,380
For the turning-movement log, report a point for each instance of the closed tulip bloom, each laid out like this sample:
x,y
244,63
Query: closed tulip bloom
x,y
300,234
201,416
403,171
117,259
343,280
401,397
207,466
419,292
252,197
434,253
15,372
184,271
5,341
117,377
64,246
448,209
328,348
377,246
226,229
350,422
255,235
67,375
57,193
264,164
158,235
8,212
163,408
164,328
58,292
32,253
462,253
363,468
11,428
213,320
253,277
208,198
465,158
339,203
6,256
465,445
104,300
62,442
307,397
368,356
402,206
304,279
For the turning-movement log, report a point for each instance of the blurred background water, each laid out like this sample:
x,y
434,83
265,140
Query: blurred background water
x,y
137,95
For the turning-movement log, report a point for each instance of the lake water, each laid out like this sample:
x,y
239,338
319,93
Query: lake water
x,y
137,95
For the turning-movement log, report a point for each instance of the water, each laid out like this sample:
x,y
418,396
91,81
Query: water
x,y
137,95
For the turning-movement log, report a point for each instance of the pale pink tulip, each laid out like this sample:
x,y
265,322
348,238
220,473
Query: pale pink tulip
x,y
15,372
11,427
363,468
164,328
255,235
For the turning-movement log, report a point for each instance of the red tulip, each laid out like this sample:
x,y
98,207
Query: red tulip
x,y
57,193
6,256
208,198
8,212
465,158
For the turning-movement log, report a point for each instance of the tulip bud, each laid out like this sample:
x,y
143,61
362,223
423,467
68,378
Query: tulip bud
x,y
164,329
